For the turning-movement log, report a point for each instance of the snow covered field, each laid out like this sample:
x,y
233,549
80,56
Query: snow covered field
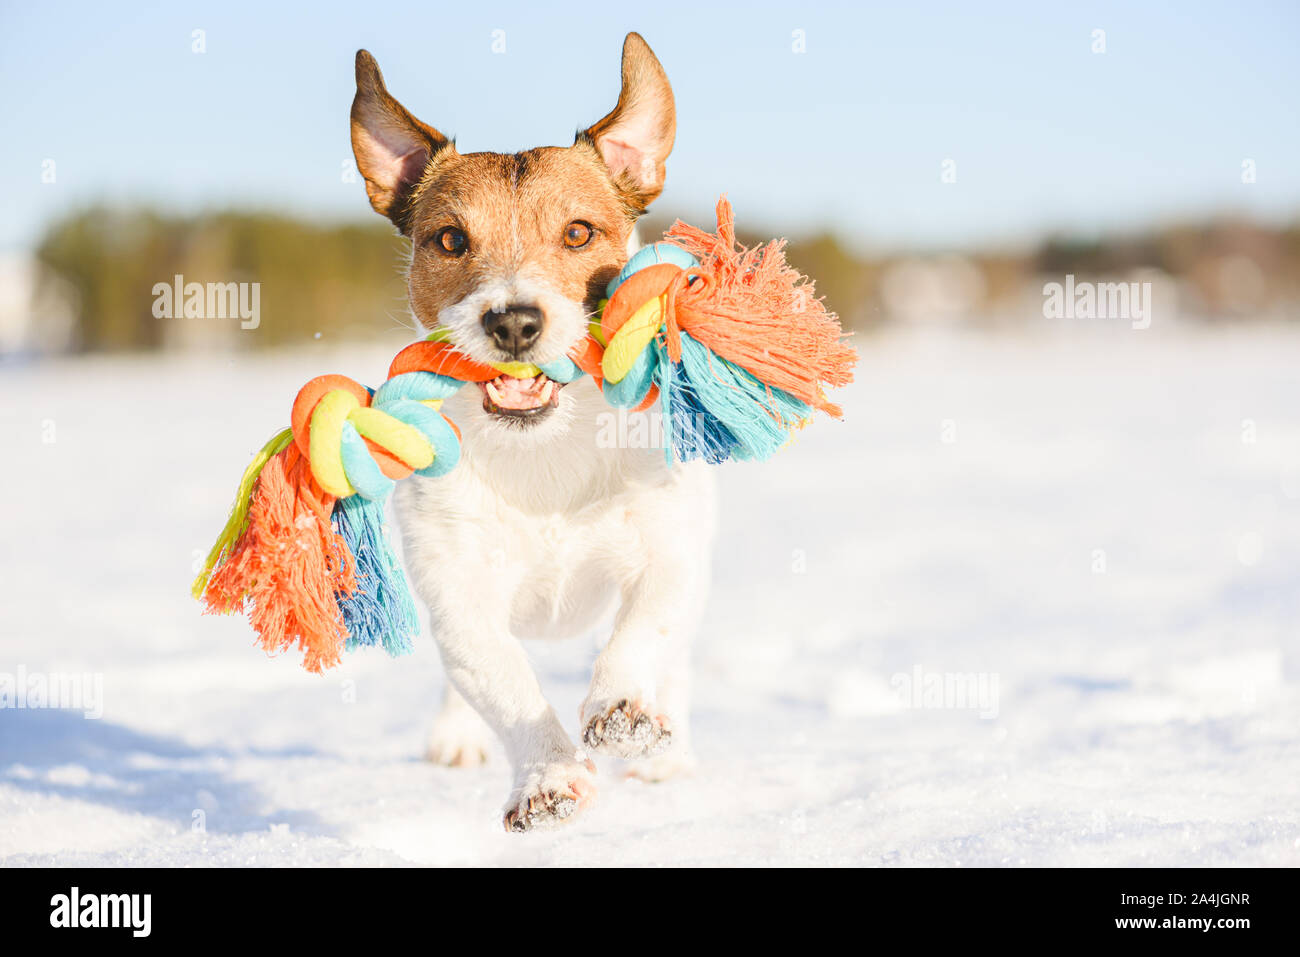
x,y
1101,526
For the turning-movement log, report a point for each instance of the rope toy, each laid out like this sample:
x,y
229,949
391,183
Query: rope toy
x,y
731,342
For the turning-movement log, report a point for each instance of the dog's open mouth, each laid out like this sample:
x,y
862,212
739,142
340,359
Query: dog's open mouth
x,y
520,398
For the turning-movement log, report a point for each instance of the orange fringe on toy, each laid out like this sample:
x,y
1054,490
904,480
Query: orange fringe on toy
x,y
752,308
288,567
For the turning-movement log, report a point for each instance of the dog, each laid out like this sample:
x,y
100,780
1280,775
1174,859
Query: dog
x,y
540,532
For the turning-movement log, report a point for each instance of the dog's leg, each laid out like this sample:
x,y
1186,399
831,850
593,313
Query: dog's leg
x,y
489,669
459,737
673,699
637,706
470,600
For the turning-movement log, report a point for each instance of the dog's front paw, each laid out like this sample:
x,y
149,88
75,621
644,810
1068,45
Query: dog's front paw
x,y
626,730
551,794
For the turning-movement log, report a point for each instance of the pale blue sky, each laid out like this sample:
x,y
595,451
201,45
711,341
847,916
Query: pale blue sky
x,y
851,134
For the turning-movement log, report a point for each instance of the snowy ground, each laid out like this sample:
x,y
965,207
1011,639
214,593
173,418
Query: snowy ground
x,y
1103,525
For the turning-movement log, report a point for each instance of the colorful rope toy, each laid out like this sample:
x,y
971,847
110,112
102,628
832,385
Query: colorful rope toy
x,y
731,342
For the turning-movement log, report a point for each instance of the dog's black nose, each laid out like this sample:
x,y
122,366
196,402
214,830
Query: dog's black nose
x,y
515,329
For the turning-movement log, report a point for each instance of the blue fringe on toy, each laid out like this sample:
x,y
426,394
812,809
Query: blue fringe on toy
x,y
716,411
692,432
380,611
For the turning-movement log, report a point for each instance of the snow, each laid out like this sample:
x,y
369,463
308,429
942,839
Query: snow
x,y
1100,525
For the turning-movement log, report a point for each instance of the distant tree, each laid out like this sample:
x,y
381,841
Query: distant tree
x,y
314,278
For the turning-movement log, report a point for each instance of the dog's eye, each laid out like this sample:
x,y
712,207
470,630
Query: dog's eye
x,y
577,234
451,240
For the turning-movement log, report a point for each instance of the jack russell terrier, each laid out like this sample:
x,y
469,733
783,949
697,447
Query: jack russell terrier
x,y
541,532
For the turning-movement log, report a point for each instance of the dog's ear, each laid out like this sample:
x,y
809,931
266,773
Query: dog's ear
x,y
637,136
392,147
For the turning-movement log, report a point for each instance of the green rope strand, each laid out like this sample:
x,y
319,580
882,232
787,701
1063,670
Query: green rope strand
x,y
238,519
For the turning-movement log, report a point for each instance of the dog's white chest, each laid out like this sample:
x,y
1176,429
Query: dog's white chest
x,y
550,531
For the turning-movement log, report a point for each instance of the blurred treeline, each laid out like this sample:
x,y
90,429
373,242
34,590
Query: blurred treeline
x,y
1214,271
315,279
344,280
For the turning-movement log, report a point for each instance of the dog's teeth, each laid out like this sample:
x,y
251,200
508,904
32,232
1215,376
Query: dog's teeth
x,y
493,394
546,392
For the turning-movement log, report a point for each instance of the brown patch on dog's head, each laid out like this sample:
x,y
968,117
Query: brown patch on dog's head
x,y
547,215
539,231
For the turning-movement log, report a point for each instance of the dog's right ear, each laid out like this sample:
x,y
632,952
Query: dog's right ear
x,y
392,147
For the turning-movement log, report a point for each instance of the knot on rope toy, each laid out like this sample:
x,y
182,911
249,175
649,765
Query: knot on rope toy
x,y
361,442
305,551
732,343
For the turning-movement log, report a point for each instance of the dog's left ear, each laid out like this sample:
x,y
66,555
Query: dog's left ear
x,y
637,136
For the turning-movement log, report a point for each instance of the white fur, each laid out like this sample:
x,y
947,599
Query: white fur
x,y
566,322
540,533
